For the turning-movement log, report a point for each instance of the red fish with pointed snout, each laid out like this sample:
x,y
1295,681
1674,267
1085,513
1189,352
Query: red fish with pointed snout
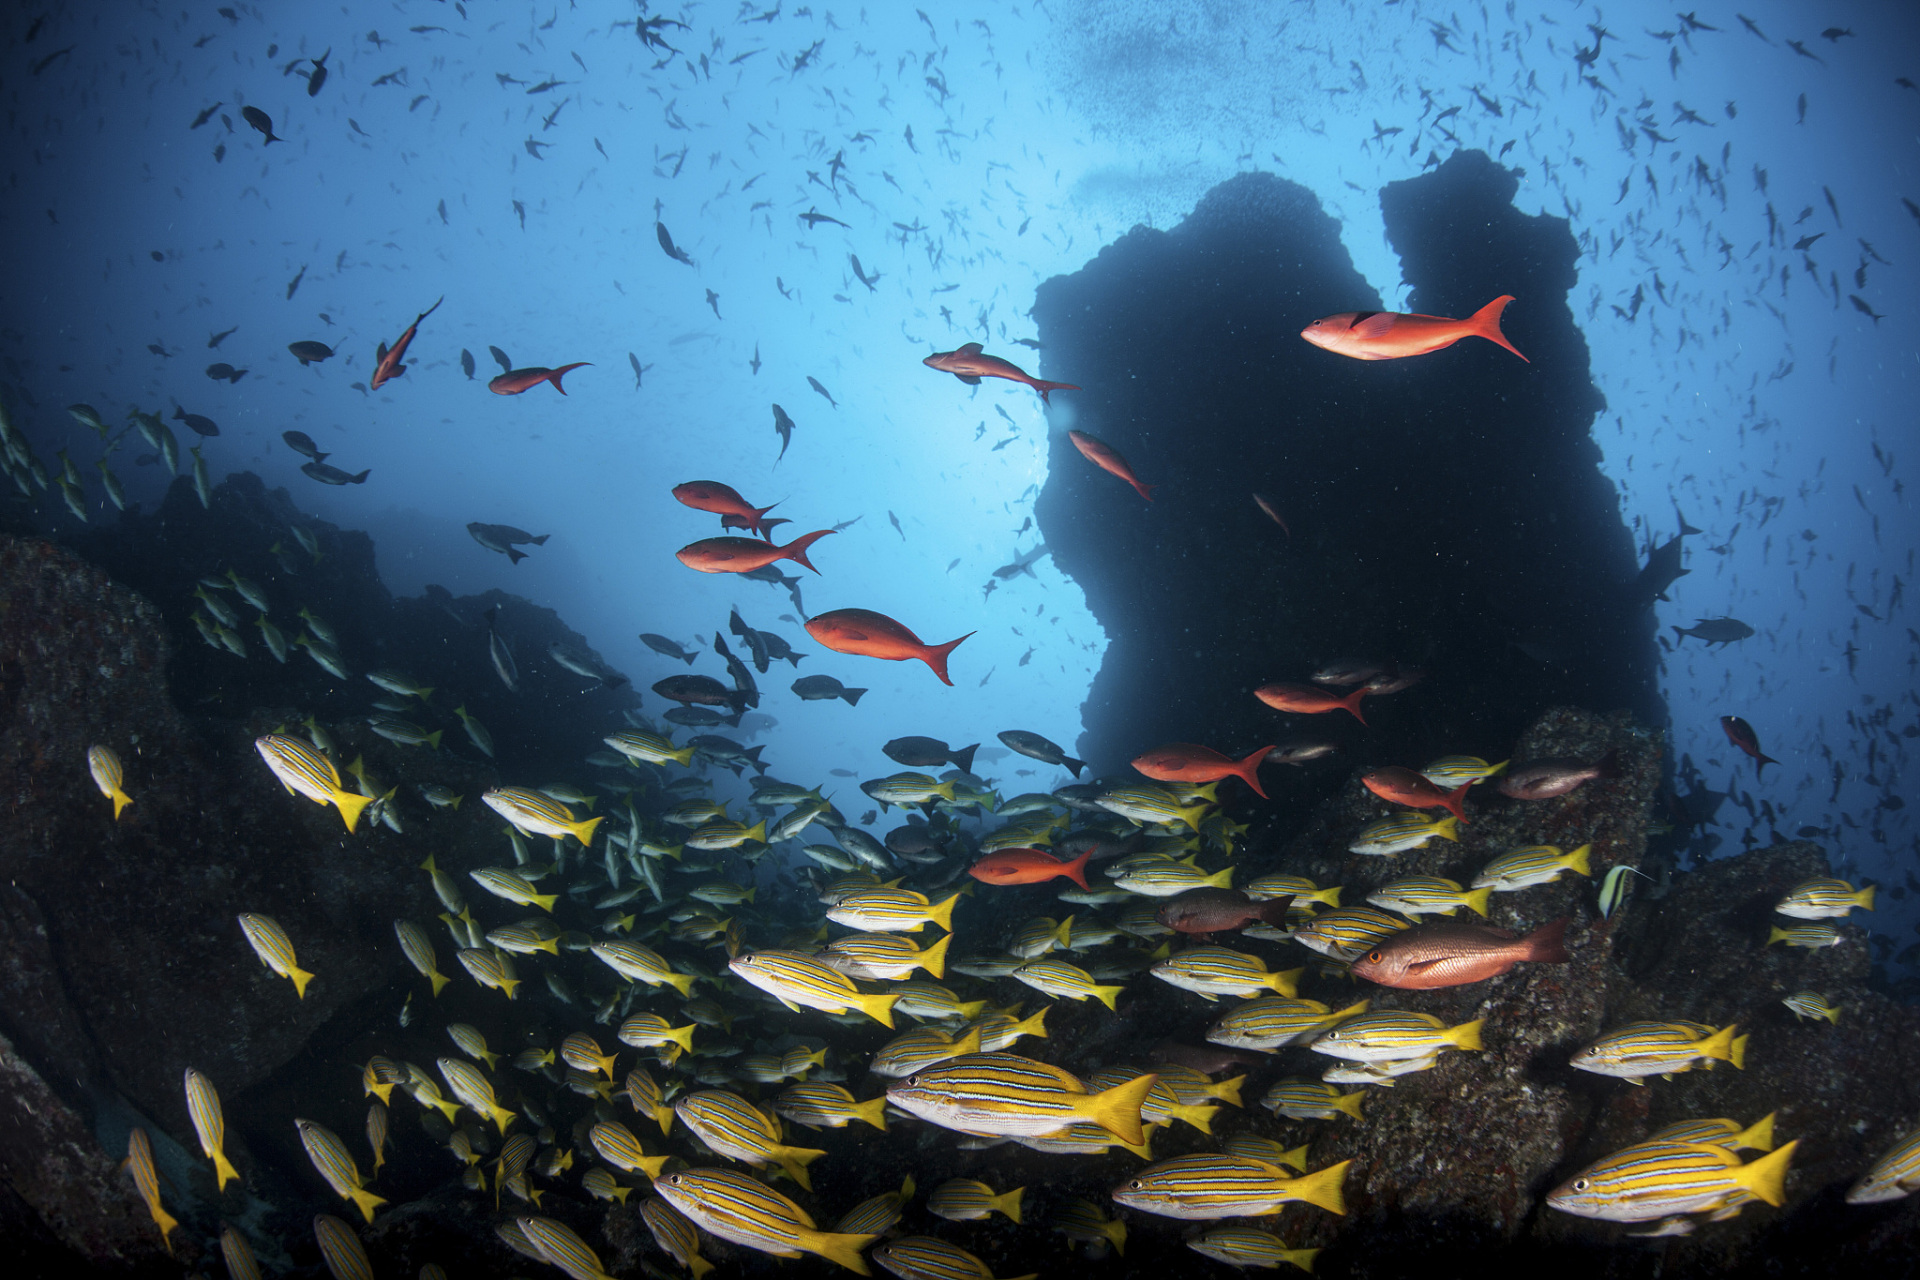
x,y
1028,866
513,382
1450,953
1404,786
970,364
1310,700
387,366
744,555
1186,762
1108,459
1395,335
1741,735
724,501
875,635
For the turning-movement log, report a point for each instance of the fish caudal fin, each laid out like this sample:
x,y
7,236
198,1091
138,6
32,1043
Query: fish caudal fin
x,y
1076,870
1547,944
935,656
1117,1110
1350,1102
879,1008
1248,770
852,696
1580,860
1286,982
438,980
934,958
350,806
583,831
300,979
796,550
1108,996
1043,387
1448,828
1477,901
1075,765
873,1113
1862,899
1009,1203
1324,1189
837,1248
1766,1177
1486,323
564,369
1456,801
683,1036
963,758
365,1201
1719,1044
223,1170
941,912
1757,1136
1352,703
681,982
121,800
1199,1115
1467,1035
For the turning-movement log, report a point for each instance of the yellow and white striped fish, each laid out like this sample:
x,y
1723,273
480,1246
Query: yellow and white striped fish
x,y
920,1048
1401,832
1418,896
723,833
535,813
798,980
1449,772
139,1163
104,765
489,968
885,956
1810,936
823,1105
619,1147
1085,1222
514,887
275,949
469,1040
1212,972
582,1052
1245,1247
999,1030
377,1134
1535,864
1148,804
643,1091
1347,933
648,1030
1301,1099
525,938
203,1106
380,1075
738,1130
1196,1088
1651,1180
304,771
649,748
335,1163
1299,888
238,1254
1250,1146
933,1001
1003,1093
1391,1035
1165,878
601,1185
1068,981
892,911
1200,1187
418,948
1818,899
1087,1140
1039,935
742,1211
1893,1175
1721,1132
474,1089
562,1246
675,1234
925,1258
1641,1049
1162,1105
1274,1022
1812,1005
877,1215
345,1256
642,964
970,1200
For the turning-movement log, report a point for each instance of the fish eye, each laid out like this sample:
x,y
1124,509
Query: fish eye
x,y
1373,957
1580,1184
675,1179
1137,1185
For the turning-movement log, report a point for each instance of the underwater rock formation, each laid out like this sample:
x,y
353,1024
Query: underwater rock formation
x,y
1446,512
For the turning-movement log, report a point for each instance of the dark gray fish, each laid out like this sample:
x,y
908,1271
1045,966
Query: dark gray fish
x,y
308,352
669,648
823,688
506,365
318,76
1035,747
697,717
333,475
815,384
667,245
784,425
778,649
1021,564
502,537
466,363
195,423
929,753
501,656
301,442
693,690
224,372
262,122
1720,631
295,283
583,665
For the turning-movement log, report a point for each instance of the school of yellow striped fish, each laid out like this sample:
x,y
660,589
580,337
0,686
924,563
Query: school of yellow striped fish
x,y
711,1028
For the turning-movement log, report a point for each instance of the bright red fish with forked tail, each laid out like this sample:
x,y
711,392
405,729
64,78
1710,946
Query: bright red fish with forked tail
x,y
744,555
1187,762
1452,953
724,501
386,365
875,635
1310,700
1108,459
513,382
1404,786
1028,866
1394,335
970,364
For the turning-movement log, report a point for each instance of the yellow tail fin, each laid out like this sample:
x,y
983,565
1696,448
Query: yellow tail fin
x,y
583,831
300,979
1350,1103
879,1008
121,800
165,1221
350,806
794,1160
365,1201
1294,1158
1199,1116
841,1249
934,958
1009,1203
1221,879
700,1266
1777,934
682,1036
545,901
1108,996
1323,1188
941,913
223,1170
1467,1035
1718,1045
1766,1177
1738,1051
681,982
1757,1136
1477,900
1862,899
971,1008
1117,1110
1228,1091
1033,1025
1580,860
756,832
501,1116
968,1043
1286,982
1351,1011
874,1113
1447,828
438,980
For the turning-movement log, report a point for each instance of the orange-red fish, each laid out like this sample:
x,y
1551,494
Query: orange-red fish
x,y
1404,786
744,555
724,501
1028,866
1108,459
970,364
875,635
387,360
1394,335
1741,735
513,382
1310,700
1265,504
1186,762
1452,953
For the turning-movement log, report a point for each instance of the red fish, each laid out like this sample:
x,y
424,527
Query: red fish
x,y
970,364
1211,910
1185,762
1028,866
1108,459
1741,735
1394,335
1452,953
744,555
1404,786
875,635
387,366
1310,700
518,380
1273,513
724,501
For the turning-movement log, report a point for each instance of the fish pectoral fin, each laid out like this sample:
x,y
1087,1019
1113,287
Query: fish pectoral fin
x,y
971,379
